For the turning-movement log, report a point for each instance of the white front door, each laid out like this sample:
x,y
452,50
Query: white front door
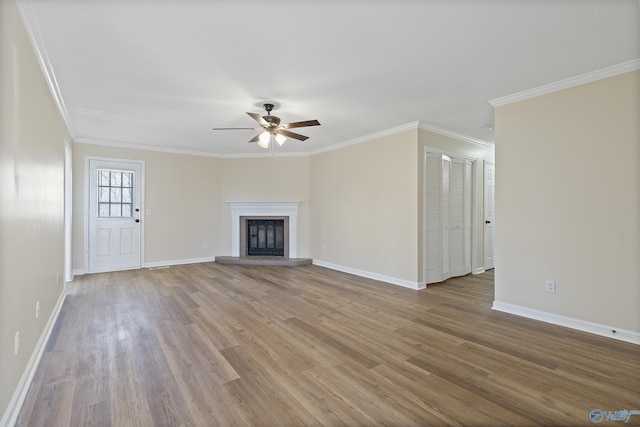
x,y
115,206
489,215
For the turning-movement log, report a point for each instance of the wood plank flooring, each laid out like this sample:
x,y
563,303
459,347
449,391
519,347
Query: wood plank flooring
x,y
210,344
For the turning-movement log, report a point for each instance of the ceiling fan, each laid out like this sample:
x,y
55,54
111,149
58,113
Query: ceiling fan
x,y
272,128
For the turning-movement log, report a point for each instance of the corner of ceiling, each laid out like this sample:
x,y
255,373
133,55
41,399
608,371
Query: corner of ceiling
x,y
25,10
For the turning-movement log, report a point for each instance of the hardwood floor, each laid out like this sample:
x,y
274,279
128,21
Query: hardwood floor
x,y
210,344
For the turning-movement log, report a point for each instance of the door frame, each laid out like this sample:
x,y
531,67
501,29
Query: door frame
x,y
68,212
484,215
86,207
474,205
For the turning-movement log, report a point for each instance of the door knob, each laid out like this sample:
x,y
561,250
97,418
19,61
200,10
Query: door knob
x,y
487,222
137,220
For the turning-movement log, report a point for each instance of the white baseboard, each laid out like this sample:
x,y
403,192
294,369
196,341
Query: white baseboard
x,y
581,325
13,410
178,262
478,270
370,275
81,271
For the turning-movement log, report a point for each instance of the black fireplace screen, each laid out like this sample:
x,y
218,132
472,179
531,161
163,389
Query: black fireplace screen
x,y
265,237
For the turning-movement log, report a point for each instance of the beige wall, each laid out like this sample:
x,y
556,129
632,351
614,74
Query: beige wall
x,y
32,141
268,179
187,196
461,149
184,193
568,202
344,194
364,207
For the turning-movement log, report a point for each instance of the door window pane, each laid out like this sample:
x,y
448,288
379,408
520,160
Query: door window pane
x,y
103,177
126,195
116,195
103,210
103,195
115,210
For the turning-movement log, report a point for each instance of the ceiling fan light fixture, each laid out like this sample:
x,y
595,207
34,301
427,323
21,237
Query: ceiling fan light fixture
x,y
273,130
263,139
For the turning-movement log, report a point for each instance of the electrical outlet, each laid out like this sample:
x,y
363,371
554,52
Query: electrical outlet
x,y
550,286
17,342
205,245
37,309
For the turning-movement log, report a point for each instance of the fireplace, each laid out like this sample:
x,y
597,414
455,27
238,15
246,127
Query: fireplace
x,y
265,237
244,213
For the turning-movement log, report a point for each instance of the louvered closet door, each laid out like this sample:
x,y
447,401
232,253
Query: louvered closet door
x,y
460,218
468,213
448,217
433,212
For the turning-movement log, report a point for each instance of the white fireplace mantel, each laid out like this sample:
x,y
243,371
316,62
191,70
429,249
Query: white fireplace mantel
x,y
289,209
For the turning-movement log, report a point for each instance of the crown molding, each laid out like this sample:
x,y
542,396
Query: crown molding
x,y
157,148
454,135
403,128
133,146
580,79
25,10
387,132
365,138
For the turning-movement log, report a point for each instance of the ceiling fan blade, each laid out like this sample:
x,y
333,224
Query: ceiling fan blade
x,y
292,135
255,138
258,118
300,124
235,129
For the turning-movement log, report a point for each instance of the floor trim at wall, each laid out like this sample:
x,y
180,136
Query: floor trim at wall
x,y
155,264
13,410
178,262
369,275
581,325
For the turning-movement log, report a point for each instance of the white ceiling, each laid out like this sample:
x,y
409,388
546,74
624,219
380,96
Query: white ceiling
x,y
163,73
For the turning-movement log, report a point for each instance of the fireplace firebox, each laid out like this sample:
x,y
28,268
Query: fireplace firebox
x,y
265,237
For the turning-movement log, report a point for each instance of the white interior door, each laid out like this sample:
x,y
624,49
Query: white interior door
x,y
489,215
433,252
460,213
448,220
115,206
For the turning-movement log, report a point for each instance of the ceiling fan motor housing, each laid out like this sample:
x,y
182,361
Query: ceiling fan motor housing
x,y
272,120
